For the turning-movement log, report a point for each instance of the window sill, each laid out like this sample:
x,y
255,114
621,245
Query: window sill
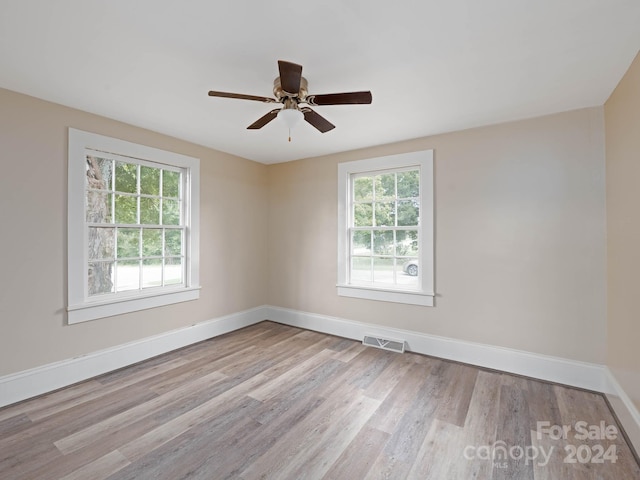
x,y
395,296
117,306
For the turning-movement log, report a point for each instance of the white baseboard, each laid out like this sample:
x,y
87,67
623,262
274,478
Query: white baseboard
x,y
39,380
554,369
625,409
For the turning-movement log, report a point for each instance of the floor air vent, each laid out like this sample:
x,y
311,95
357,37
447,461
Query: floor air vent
x,y
384,343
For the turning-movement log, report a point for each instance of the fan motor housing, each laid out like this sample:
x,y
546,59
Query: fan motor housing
x,y
280,94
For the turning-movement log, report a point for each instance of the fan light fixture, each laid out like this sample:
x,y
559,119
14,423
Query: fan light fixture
x,y
290,116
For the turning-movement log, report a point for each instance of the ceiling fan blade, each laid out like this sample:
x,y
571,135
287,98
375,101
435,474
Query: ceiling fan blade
x,y
350,98
241,96
317,120
290,75
262,121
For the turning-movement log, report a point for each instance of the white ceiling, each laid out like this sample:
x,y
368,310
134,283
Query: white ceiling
x,y
433,66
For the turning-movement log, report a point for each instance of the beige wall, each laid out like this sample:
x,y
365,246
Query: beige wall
x,y
520,237
33,196
622,116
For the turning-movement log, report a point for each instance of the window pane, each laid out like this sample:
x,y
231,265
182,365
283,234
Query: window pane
x,y
127,275
151,242
363,189
126,209
407,243
128,242
361,269
383,270
170,184
152,272
385,214
173,271
409,184
149,180
170,212
361,244
383,242
149,211
126,177
407,273
363,215
100,278
408,213
100,243
173,242
385,186
99,173
98,207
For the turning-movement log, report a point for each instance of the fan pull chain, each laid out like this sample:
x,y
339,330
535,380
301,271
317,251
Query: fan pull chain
x,y
289,135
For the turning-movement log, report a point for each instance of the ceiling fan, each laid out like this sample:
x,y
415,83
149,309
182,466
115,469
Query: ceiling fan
x,y
290,89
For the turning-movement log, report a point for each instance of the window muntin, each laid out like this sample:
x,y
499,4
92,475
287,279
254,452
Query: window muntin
x,y
135,226
384,227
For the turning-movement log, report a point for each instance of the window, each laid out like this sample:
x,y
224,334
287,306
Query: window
x,y
133,227
385,231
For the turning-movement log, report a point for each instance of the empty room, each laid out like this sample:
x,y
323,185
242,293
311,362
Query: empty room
x,y
320,240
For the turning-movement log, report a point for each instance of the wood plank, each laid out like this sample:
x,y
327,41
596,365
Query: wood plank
x,y
14,424
368,366
208,439
101,468
387,381
145,369
453,402
94,432
273,387
245,451
289,392
302,351
148,442
310,447
401,451
543,404
443,442
357,459
58,406
316,461
482,415
54,401
32,448
578,406
20,464
396,404
513,430
349,353
480,425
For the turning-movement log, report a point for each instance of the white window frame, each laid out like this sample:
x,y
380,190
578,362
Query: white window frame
x,y
81,307
425,293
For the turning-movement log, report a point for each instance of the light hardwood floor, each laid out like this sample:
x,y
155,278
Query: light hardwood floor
x,y
276,402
